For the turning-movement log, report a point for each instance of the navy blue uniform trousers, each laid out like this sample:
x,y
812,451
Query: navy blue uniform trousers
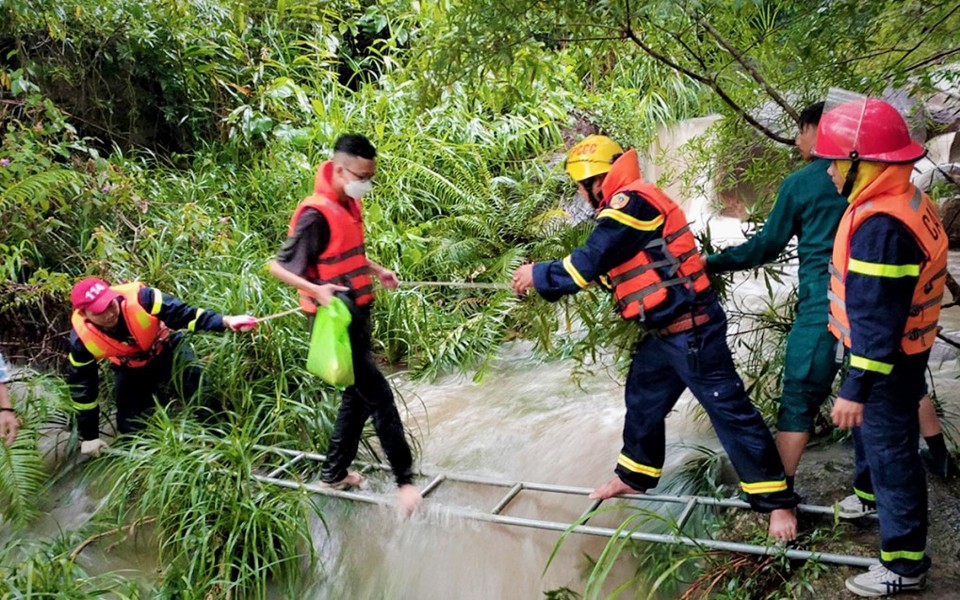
x,y
699,359
175,372
889,473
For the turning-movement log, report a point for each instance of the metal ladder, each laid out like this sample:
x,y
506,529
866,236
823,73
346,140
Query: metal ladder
x,y
495,515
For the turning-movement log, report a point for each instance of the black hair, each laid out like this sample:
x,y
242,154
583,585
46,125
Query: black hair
x,y
355,144
811,115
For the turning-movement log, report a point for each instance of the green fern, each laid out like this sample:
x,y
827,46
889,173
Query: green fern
x,y
23,479
33,193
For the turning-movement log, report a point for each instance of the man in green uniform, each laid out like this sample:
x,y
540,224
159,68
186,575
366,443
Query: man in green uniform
x,y
809,207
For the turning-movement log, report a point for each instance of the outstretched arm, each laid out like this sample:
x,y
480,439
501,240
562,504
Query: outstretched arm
x,y
766,244
619,235
387,277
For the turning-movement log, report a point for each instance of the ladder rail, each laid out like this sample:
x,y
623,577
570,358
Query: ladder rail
x,y
471,514
640,536
573,490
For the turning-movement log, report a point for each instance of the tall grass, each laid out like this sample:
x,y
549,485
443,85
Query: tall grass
x,y
217,531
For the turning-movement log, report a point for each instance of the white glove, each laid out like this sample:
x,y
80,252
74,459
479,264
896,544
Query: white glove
x,y
92,447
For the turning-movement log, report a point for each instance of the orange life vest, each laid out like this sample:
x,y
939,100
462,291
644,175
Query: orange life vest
x,y
642,283
148,332
914,209
344,260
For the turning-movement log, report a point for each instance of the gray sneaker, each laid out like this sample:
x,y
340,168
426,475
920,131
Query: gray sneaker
x,y
852,507
881,581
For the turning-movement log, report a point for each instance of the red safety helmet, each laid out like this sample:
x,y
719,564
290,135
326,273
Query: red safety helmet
x,y
866,129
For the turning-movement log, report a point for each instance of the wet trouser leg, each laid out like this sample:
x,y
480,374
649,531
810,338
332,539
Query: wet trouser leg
x,y
186,380
133,390
369,396
862,486
175,367
653,387
699,359
709,372
887,442
810,366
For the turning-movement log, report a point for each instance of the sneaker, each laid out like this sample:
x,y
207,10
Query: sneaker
x,y
853,507
944,467
881,581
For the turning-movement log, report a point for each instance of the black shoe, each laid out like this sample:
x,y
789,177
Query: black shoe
x,y
945,468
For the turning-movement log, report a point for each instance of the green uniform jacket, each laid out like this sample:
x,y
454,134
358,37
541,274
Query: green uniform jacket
x,y
809,207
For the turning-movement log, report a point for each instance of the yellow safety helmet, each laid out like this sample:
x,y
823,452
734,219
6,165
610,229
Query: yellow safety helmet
x,y
591,157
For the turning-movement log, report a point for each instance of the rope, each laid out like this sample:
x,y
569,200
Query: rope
x,y
466,285
279,314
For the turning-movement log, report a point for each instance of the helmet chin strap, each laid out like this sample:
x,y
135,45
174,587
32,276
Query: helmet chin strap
x,y
594,198
851,174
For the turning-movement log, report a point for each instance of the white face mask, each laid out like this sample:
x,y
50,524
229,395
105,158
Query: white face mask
x,y
358,188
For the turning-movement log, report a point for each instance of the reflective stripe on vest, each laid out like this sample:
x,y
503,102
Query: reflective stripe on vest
x,y
920,216
344,260
148,332
641,283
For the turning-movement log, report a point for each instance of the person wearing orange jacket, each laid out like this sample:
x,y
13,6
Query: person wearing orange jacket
x,y
135,328
642,249
887,277
324,254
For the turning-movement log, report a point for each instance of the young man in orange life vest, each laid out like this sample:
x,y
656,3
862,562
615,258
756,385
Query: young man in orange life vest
x,y
135,328
324,255
887,277
643,248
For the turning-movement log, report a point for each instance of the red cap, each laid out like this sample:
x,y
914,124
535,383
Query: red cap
x,y
92,294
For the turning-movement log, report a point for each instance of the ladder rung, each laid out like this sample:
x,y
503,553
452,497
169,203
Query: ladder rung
x,y
506,499
434,484
687,511
594,505
285,466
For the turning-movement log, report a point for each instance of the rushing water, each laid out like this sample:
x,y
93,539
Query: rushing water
x,y
524,421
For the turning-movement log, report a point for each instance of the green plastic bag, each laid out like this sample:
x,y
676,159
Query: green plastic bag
x,y
330,356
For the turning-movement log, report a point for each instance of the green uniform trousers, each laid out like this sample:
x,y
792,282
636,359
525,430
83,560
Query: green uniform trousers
x,y
808,373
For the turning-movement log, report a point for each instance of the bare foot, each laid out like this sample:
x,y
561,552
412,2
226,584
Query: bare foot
x,y
612,488
783,524
352,480
410,499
